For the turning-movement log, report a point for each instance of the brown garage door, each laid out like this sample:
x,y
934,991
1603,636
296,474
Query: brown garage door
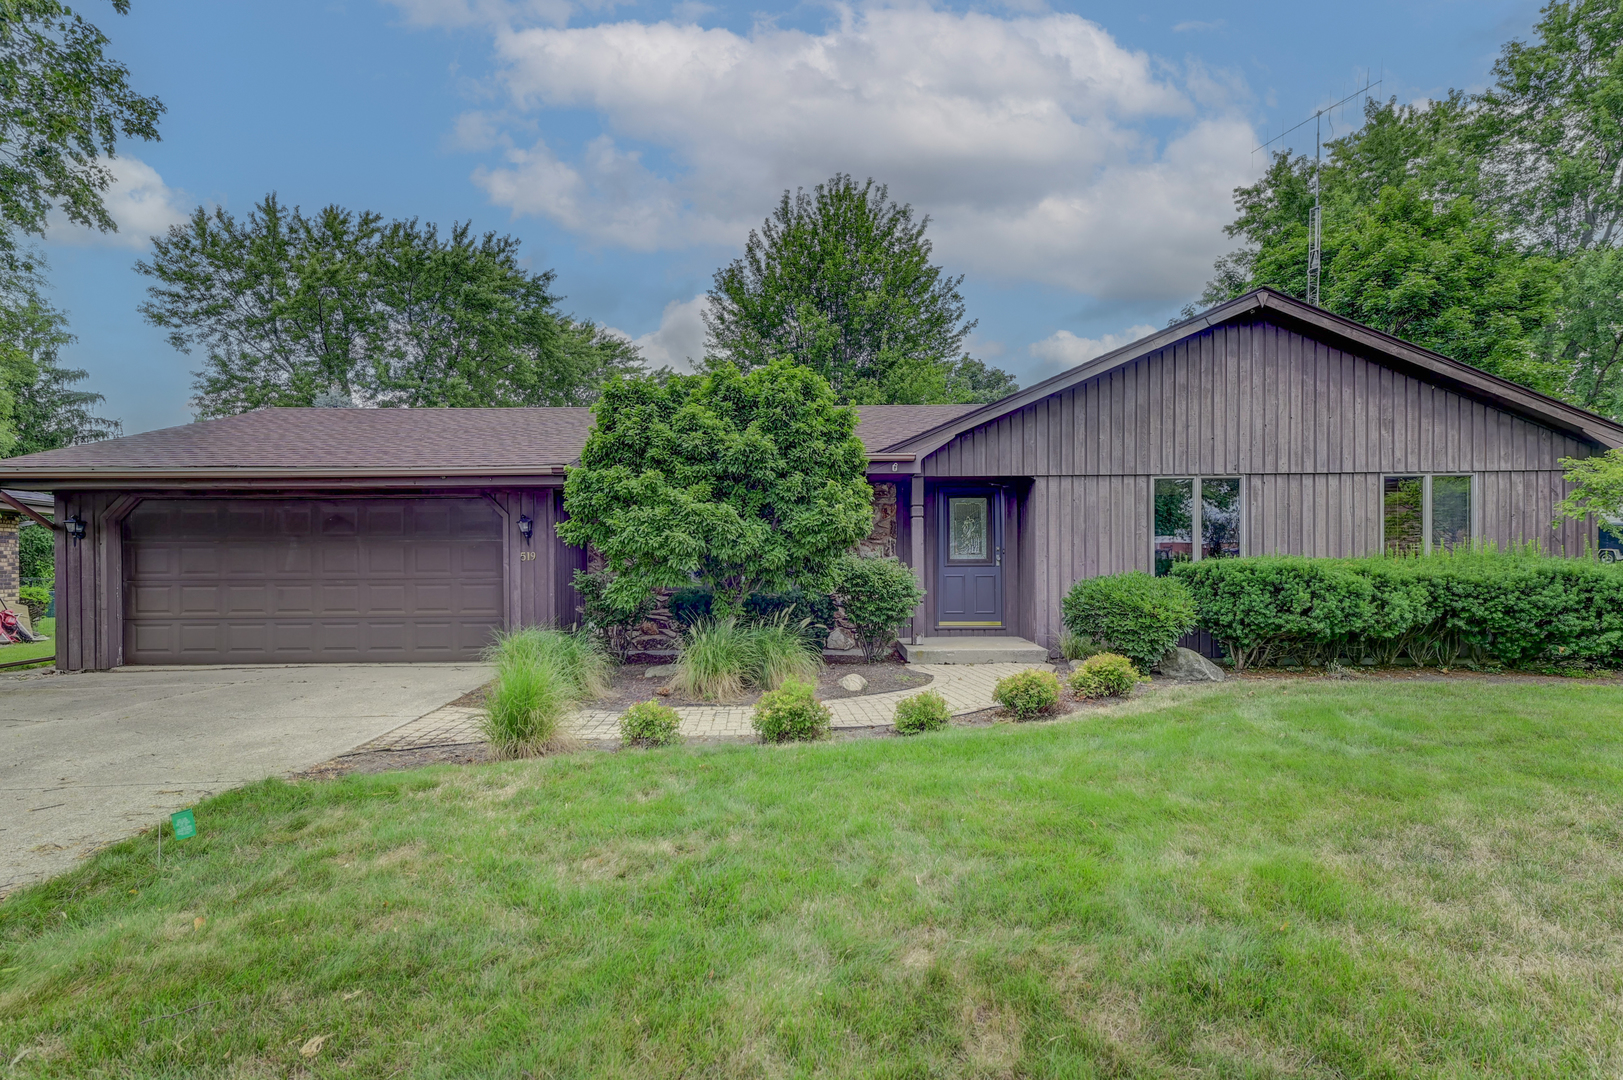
x,y
274,581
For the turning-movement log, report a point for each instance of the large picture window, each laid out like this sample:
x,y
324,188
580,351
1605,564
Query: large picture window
x,y
1196,517
1426,513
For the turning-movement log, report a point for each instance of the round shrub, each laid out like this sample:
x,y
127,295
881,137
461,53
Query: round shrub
x,y
1104,675
1134,614
37,599
878,596
922,712
648,723
791,713
1028,693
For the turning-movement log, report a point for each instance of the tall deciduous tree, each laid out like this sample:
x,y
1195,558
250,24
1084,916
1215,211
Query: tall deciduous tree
x,y
840,281
63,106
752,483
289,309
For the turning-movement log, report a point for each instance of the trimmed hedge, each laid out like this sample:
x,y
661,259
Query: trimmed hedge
x,y
1133,614
1028,694
1104,675
1516,610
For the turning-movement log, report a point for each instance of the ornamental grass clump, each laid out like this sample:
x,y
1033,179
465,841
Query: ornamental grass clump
x,y
717,656
780,650
648,723
791,713
1104,675
1028,694
922,712
540,675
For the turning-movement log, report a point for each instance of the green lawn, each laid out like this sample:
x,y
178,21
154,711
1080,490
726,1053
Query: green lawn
x,y
1270,878
46,648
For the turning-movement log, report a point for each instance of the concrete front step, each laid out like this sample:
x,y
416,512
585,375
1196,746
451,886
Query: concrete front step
x,y
974,650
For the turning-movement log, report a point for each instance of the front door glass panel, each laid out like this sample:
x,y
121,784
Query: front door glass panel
x,y
969,529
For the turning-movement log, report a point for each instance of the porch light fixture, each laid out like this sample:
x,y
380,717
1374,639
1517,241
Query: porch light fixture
x,y
526,527
75,527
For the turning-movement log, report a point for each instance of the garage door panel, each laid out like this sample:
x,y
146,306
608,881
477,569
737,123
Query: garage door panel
x,y
267,581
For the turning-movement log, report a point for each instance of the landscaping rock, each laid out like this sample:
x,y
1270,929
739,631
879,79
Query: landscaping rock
x,y
660,671
1187,665
856,684
840,640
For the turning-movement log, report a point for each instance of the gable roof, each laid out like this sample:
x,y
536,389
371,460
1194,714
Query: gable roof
x,y
380,442
1332,329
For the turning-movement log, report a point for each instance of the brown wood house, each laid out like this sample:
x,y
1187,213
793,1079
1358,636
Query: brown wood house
x,y
1261,426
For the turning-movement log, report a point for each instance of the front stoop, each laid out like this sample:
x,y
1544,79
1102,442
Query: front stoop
x,y
974,650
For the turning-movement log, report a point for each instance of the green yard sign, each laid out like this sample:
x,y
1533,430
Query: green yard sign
x,y
185,824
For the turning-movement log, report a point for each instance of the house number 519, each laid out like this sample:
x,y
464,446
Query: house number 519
x,y
526,556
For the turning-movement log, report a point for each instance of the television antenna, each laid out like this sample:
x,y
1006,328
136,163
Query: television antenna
x,y
1315,216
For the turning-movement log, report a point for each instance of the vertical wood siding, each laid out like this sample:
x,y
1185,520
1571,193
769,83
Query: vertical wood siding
x,y
1311,429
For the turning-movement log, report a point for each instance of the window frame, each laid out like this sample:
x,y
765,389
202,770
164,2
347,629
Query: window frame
x,y
1195,520
1426,545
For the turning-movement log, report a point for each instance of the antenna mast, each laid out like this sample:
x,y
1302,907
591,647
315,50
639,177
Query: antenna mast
x,y
1315,214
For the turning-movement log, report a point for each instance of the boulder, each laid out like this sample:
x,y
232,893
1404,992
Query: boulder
x,y
840,640
1187,665
660,671
856,684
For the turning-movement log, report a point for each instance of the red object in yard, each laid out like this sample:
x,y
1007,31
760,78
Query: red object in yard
x,y
11,628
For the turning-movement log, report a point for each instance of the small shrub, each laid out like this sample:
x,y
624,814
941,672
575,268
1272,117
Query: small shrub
x,y
922,712
717,658
1134,614
37,599
1028,693
1104,675
691,606
878,596
779,650
648,723
791,713
813,613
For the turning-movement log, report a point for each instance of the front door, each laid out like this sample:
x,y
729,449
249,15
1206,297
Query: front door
x,y
970,559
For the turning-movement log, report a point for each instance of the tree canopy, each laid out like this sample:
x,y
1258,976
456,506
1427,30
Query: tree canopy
x,y
289,308
40,409
750,482
839,280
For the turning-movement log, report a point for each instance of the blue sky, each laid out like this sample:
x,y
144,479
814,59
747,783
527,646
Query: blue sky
x,y
1076,159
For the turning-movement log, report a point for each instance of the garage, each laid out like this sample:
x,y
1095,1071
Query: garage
x,y
214,581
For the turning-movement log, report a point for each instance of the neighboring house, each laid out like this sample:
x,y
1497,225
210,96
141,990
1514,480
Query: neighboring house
x,y
18,508
1260,426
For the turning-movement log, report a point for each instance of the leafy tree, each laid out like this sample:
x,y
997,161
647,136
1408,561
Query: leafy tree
x,y
840,281
748,482
39,407
1596,488
63,106
1549,132
1586,336
342,307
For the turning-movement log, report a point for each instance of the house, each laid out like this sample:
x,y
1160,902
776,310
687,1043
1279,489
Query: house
x,y
18,508
1261,426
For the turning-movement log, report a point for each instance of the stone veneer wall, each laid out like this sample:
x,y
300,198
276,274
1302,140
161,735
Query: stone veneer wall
x,y
658,636
11,566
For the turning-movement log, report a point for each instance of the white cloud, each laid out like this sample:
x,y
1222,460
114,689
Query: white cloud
x,y
1063,349
138,200
679,341
1025,139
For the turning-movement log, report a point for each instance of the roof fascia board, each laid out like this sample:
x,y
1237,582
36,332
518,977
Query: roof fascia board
x,y
194,483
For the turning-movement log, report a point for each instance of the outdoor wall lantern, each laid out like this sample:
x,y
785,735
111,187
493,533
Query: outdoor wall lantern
x,y
527,527
75,527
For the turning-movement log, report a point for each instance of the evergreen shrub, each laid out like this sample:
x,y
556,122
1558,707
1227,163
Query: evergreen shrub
x,y
1104,675
1028,693
927,711
1134,614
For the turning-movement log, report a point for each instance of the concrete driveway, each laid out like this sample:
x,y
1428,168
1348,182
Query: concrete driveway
x,y
91,757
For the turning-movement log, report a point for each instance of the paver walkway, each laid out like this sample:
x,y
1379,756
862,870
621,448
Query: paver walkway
x,y
967,688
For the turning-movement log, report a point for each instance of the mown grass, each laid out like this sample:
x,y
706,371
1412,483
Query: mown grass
x,y
1261,879
45,628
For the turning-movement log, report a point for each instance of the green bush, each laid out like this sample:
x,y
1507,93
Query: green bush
x,y
37,599
36,553
1518,609
605,616
922,712
791,713
1028,693
648,723
1134,614
1104,675
813,612
691,606
878,596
